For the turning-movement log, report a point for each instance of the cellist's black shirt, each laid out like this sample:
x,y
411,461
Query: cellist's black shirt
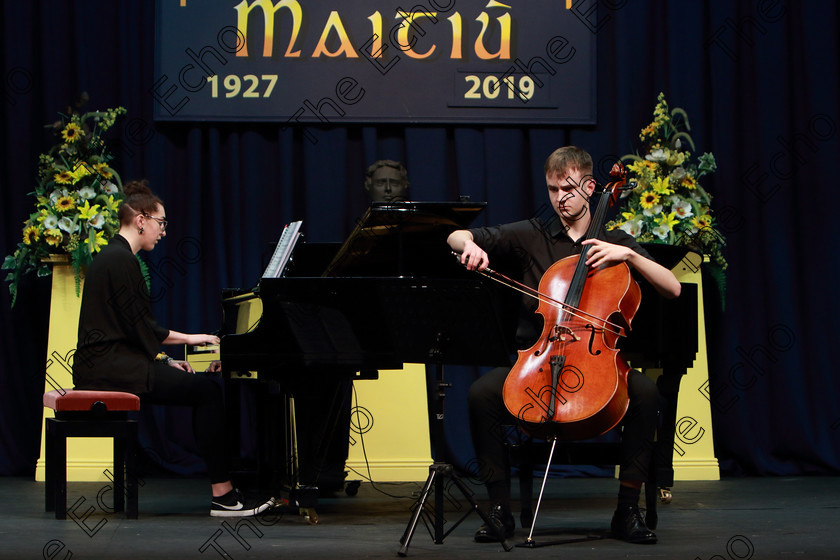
x,y
528,248
118,336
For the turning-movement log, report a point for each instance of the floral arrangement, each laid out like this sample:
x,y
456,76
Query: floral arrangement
x,y
77,196
666,203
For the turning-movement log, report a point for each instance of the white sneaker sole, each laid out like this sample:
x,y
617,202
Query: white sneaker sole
x,y
243,512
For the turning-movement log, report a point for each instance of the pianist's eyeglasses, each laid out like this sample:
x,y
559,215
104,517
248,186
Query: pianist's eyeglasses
x,y
161,222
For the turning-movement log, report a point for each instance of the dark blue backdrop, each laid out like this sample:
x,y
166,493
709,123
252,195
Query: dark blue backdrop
x,y
758,79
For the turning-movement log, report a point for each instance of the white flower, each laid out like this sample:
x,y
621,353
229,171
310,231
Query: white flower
x,y
682,209
68,225
653,210
657,155
110,188
51,222
632,227
97,221
661,232
56,194
678,173
87,193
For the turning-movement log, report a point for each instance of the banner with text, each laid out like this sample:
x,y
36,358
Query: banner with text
x,y
356,61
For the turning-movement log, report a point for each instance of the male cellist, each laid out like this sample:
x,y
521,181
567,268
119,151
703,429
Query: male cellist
x,y
536,245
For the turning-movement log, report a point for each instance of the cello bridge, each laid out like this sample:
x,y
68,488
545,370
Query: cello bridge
x,y
563,333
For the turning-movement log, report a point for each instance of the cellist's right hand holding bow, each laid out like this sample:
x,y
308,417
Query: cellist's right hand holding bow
x,y
473,257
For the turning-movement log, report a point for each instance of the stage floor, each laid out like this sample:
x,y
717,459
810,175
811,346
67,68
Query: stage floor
x,y
786,518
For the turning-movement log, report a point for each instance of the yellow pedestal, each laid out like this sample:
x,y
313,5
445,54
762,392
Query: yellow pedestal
x,y
87,458
694,453
389,427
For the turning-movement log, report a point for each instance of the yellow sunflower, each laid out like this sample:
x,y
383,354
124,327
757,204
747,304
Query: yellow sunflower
x,y
649,199
689,182
103,170
53,237
702,222
31,235
64,178
64,203
641,166
72,132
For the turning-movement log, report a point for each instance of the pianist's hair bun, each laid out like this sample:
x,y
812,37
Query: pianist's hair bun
x,y
139,199
140,187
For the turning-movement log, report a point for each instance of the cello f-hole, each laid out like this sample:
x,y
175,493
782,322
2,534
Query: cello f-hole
x,y
591,328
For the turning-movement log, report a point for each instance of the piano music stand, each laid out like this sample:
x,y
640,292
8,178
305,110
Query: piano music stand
x,y
403,239
454,323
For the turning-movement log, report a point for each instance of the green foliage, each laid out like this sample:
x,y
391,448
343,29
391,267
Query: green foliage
x,y
144,268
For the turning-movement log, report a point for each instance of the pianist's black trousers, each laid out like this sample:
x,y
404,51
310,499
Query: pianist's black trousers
x,y
489,419
172,386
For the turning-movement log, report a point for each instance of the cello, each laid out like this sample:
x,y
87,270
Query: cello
x,y
572,383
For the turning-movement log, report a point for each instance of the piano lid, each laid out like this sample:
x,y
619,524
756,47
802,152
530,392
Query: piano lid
x,y
403,239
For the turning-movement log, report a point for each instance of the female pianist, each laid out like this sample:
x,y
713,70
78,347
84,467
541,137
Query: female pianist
x,y
119,339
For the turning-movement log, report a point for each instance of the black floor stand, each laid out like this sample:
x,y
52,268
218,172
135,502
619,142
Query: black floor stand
x,y
439,474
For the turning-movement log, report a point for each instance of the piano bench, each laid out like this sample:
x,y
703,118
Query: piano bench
x,y
91,414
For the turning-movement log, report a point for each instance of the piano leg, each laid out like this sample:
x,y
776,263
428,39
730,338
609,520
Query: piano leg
x,y
301,435
275,465
322,418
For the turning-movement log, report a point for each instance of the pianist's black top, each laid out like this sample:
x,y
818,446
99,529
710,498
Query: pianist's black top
x,y
118,335
527,249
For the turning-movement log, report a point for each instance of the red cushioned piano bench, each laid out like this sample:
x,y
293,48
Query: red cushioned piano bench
x,y
91,414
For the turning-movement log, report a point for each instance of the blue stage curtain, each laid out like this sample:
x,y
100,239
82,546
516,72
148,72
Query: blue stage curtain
x,y
759,82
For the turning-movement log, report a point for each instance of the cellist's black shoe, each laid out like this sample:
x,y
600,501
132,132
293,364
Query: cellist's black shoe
x,y
628,525
503,523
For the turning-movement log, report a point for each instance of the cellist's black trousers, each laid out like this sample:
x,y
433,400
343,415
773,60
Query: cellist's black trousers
x,y
490,421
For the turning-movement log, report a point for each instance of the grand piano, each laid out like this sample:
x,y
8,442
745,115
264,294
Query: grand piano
x,y
330,319
342,312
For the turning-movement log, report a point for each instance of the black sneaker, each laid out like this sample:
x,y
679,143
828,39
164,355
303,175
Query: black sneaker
x,y
503,521
233,504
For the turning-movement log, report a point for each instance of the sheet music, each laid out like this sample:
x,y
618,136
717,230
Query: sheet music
x,y
283,251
